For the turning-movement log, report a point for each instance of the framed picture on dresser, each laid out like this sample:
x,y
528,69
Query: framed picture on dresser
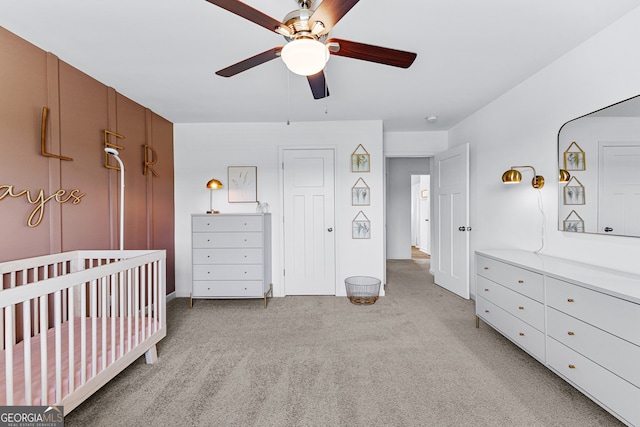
x,y
243,184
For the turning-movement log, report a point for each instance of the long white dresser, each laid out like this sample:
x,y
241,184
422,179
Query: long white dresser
x,y
581,321
231,256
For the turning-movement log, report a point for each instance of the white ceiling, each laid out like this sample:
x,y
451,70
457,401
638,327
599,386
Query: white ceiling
x,y
163,54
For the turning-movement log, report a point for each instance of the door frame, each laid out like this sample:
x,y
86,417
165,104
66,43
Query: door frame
x,y
336,256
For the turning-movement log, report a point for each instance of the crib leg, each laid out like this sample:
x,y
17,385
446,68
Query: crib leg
x,y
151,355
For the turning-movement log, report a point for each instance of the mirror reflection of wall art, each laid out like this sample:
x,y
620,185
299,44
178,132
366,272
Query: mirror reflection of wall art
x,y
574,158
574,223
243,184
574,192
360,193
360,160
361,227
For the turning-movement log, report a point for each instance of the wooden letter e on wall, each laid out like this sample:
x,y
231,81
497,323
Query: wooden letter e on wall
x,y
108,144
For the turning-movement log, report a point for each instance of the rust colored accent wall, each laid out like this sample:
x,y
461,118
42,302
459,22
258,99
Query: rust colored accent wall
x,y
80,109
162,207
23,90
131,124
83,117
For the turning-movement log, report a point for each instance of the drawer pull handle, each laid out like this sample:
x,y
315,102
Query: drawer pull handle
x,y
486,268
521,308
521,334
208,240
520,281
570,300
208,256
486,289
572,366
571,333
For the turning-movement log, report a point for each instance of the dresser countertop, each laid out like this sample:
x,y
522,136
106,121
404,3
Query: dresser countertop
x,y
616,283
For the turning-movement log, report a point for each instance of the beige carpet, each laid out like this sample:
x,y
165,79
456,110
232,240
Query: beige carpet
x,y
414,358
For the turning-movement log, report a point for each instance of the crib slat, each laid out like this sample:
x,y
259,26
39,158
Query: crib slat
x,y
26,326
113,302
121,313
129,307
72,326
103,287
43,351
57,314
94,329
9,339
83,333
136,304
142,301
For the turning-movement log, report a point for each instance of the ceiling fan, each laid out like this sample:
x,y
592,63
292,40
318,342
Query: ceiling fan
x,y
308,48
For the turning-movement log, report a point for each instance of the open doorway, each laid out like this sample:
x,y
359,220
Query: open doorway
x,y
401,202
420,217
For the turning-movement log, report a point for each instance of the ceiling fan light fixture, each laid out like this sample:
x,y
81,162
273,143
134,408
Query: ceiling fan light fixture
x,y
305,56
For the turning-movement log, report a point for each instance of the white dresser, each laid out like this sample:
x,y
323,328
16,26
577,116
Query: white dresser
x,y
231,256
581,321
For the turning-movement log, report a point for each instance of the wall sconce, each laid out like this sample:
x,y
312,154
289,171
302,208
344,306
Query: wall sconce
x,y
213,184
564,176
513,176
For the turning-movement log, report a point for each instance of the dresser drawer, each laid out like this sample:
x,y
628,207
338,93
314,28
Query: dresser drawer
x,y
524,335
620,396
226,223
237,289
227,240
617,355
611,314
228,272
520,280
227,256
520,306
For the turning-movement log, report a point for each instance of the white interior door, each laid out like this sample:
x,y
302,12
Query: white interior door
x,y
309,239
451,231
619,192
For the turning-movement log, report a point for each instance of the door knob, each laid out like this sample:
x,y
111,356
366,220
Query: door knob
x,y
463,228
329,230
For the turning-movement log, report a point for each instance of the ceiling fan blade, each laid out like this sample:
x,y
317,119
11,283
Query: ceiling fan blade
x,y
254,61
253,15
330,12
367,52
318,85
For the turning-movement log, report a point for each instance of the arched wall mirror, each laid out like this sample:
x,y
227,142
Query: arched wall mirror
x,y
601,152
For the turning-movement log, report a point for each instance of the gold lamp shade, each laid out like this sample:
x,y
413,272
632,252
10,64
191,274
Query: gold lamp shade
x,y
214,184
511,176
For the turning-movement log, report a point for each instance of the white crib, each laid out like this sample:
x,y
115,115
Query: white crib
x,y
72,321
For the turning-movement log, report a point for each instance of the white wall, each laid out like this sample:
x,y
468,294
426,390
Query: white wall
x,y
399,171
521,128
204,151
411,144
